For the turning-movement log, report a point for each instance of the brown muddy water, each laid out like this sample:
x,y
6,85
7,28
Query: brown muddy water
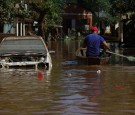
x,y
69,88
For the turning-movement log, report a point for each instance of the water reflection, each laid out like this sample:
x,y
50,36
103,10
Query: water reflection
x,y
69,88
81,87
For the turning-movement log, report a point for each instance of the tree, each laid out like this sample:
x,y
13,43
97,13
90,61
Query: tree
x,y
122,6
6,11
46,12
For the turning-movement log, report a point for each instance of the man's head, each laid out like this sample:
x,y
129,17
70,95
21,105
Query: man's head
x,y
94,29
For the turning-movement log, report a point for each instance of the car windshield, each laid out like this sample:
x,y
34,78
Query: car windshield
x,y
22,45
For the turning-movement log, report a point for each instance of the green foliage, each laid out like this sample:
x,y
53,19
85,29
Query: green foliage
x,y
46,10
6,8
9,9
122,6
70,1
49,9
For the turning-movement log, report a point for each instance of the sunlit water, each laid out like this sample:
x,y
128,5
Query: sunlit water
x,y
69,88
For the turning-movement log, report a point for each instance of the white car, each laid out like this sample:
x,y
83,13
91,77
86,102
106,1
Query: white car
x,y
20,51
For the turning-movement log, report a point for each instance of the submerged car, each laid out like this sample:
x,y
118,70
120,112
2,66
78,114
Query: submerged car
x,y
20,51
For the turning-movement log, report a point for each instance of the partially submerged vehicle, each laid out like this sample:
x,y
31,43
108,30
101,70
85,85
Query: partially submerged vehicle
x,y
21,51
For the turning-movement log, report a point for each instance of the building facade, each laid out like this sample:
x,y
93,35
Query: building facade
x,y
76,19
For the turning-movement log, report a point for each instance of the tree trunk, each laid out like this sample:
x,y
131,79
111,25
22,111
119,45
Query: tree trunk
x,y
41,25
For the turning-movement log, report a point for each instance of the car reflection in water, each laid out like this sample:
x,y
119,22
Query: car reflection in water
x,y
38,74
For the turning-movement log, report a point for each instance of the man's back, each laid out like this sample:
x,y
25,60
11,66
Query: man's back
x,y
93,42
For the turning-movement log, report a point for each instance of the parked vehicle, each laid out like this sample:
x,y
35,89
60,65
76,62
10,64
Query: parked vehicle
x,y
21,51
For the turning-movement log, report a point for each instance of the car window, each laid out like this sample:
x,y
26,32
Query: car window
x,y
21,45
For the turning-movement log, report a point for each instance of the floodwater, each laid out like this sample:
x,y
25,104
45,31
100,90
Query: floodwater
x,y
69,88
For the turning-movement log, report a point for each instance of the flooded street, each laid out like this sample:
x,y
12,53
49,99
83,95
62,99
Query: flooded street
x,y
69,88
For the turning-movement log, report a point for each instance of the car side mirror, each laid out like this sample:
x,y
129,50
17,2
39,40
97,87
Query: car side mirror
x,y
51,51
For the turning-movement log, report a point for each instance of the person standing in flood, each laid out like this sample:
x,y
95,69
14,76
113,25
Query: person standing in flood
x,y
93,43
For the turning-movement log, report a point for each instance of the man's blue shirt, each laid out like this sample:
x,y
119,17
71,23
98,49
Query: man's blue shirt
x,y
93,42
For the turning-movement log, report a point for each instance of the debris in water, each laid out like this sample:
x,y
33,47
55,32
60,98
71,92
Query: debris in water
x,y
40,75
120,86
98,71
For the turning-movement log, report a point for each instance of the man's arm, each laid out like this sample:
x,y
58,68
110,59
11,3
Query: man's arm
x,y
106,45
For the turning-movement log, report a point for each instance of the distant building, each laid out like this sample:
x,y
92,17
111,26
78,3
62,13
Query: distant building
x,y
76,18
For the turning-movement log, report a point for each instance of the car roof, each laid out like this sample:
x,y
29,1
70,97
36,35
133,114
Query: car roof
x,y
17,38
22,37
